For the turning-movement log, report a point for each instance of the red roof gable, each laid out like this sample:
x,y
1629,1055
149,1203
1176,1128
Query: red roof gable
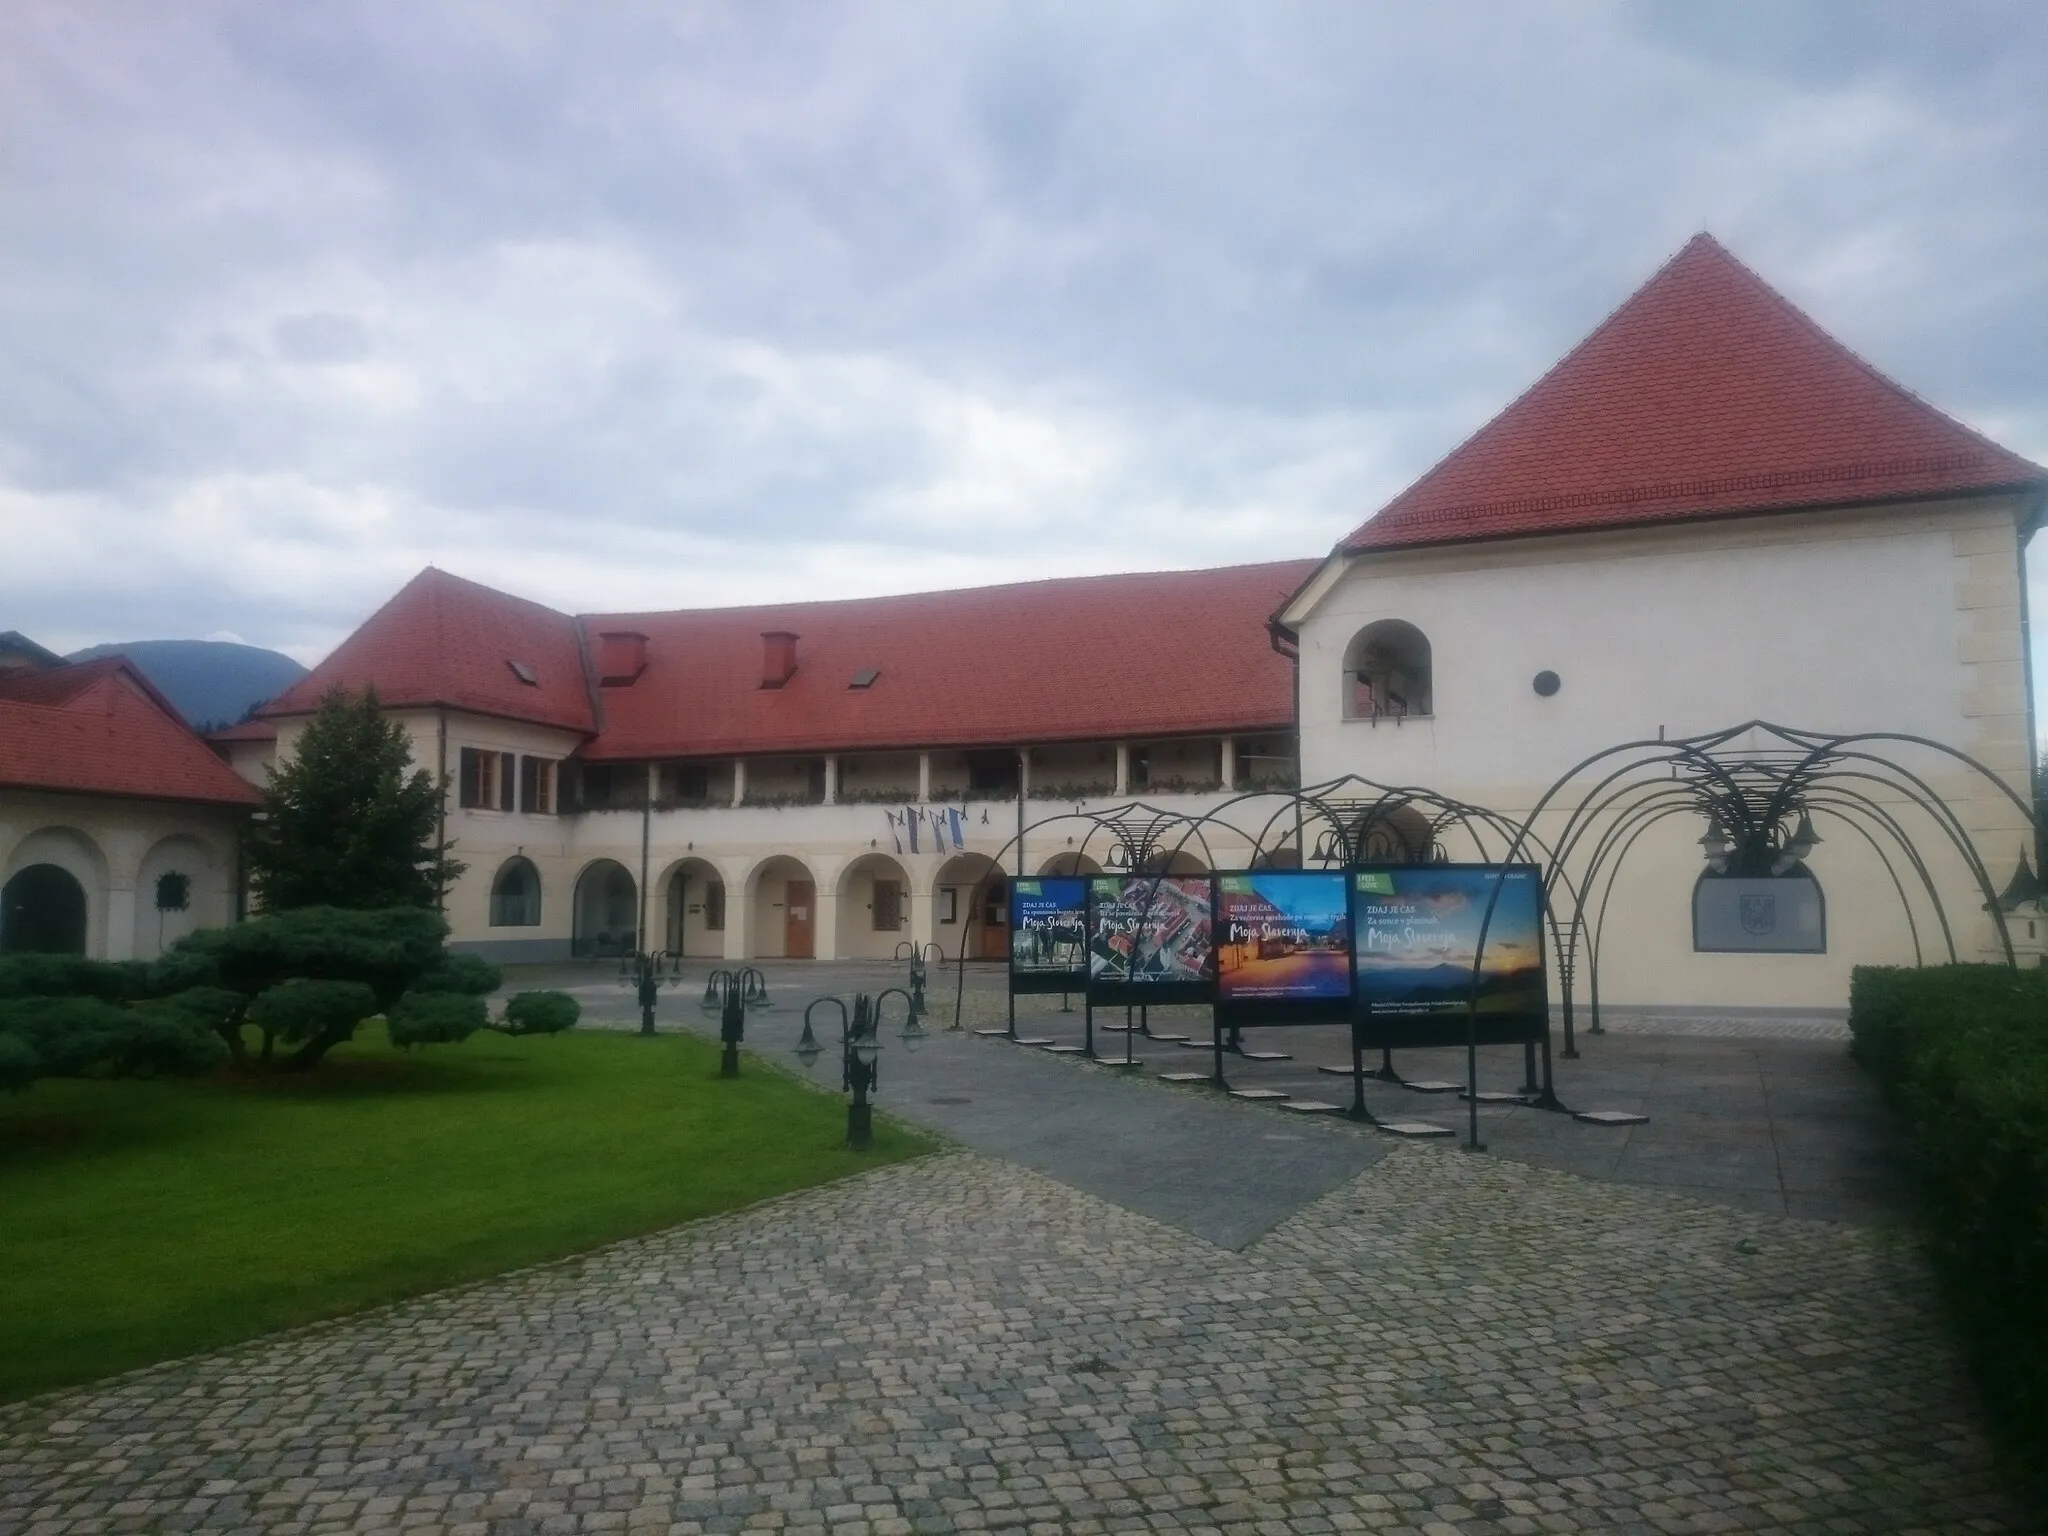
x,y
1706,394
445,641
1159,654
99,728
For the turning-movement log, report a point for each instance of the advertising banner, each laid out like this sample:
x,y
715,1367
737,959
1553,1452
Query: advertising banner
x,y
1283,947
1162,920
1782,915
1415,931
1048,934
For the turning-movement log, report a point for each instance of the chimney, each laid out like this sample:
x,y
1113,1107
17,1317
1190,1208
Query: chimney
x,y
778,657
621,657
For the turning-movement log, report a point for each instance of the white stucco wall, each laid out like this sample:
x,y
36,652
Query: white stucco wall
x,y
1897,619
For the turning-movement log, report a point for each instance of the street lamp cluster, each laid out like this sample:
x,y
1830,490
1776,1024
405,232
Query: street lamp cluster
x,y
860,1053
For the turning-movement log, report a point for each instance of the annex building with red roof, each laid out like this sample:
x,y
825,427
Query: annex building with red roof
x,y
117,822
1709,512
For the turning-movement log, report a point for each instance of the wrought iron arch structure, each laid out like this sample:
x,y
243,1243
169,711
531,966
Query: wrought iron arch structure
x,y
1353,821
1758,785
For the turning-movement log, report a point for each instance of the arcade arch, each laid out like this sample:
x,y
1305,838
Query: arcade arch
x,y
694,910
54,894
1070,864
606,911
784,908
178,888
874,908
515,894
972,897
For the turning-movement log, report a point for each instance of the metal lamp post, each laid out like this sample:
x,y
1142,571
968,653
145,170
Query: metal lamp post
x,y
646,973
861,1054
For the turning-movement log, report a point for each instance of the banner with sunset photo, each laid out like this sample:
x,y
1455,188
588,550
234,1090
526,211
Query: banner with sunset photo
x,y
1415,932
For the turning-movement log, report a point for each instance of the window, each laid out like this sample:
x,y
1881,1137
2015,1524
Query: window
x,y
537,786
686,783
949,903
992,773
614,786
515,895
888,905
714,907
1387,673
486,780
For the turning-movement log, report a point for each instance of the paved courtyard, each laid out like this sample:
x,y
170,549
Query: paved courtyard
x,y
1381,1336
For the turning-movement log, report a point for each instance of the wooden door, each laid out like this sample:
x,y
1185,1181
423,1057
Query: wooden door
x,y
995,919
799,897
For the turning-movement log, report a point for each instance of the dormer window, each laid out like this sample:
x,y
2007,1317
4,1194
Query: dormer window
x,y
524,673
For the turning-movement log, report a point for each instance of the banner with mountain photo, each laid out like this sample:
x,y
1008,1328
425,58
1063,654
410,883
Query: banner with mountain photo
x,y
1415,934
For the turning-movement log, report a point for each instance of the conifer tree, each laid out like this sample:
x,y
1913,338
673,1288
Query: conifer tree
x,y
345,823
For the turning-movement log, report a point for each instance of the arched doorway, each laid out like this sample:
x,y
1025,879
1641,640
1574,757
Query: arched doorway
x,y
973,900
785,910
1070,864
42,911
695,925
874,908
607,911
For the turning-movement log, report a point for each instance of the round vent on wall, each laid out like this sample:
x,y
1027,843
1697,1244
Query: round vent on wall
x,y
1547,683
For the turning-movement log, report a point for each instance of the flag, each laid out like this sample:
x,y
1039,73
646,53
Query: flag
x,y
953,817
910,827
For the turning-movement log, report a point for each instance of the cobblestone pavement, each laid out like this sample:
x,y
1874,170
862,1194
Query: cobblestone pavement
x,y
1444,1343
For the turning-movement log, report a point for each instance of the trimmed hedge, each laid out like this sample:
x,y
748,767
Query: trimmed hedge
x,y
1961,1054
541,1013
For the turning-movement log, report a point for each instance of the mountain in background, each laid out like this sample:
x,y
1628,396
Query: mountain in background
x,y
210,682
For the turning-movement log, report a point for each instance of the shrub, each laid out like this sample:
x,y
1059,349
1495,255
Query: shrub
x,y
386,950
470,975
81,1036
541,1013
1961,1053
312,1013
435,1018
113,981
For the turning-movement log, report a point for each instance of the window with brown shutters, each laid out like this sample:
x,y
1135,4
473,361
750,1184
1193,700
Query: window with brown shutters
x,y
537,786
486,780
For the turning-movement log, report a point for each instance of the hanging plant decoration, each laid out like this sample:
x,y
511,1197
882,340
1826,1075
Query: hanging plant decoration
x,y
173,891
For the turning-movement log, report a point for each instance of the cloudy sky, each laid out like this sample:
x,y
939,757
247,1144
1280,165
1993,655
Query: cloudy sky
x,y
657,305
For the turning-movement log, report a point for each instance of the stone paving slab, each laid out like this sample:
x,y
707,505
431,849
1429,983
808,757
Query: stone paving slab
x,y
1443,1343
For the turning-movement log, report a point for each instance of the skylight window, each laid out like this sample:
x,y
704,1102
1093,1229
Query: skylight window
x,y
524,673
865,677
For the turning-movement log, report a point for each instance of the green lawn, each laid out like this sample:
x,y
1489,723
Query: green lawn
x,y
144,1221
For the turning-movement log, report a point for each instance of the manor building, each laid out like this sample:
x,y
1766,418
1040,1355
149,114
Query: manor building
x,y
829,780
1708,512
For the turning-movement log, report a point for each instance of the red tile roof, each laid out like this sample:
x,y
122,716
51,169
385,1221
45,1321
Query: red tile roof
x,y
247,730
1706,394
99,728
442,640
1159,654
